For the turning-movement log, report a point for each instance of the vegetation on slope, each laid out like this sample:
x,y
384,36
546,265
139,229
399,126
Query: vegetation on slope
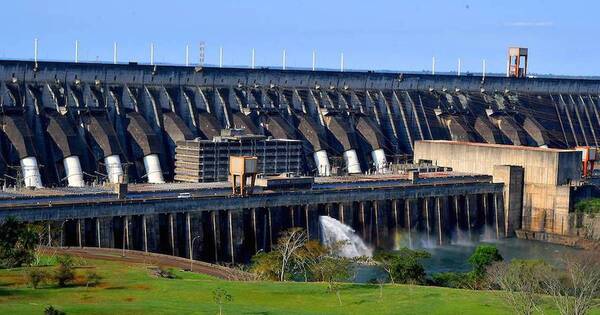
x,y
134,289
589,206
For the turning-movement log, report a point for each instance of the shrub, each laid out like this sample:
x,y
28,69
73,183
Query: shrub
x,y
483,257
50,310
163,272
457,280
92,279
589,206
64,272
17,243
404,265
35,277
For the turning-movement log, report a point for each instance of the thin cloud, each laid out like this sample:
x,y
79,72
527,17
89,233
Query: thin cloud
x,y
530,24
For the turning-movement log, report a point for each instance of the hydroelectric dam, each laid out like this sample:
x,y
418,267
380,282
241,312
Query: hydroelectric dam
x,y
163,134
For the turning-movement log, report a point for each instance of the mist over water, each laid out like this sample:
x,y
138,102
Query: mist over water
x,y
452,257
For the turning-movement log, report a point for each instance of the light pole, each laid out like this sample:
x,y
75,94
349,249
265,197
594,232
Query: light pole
x,y
192,252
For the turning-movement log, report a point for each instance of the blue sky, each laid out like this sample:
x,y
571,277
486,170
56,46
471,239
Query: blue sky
x,y
393,35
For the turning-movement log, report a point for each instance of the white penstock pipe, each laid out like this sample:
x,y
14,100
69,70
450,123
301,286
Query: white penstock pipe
x,y
114,169
322,162
73,171
379,160
31,172
352,163
153,170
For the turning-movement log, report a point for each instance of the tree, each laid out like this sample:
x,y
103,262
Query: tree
x,y
17,243
520,283
64,272
404,265
92,279
575,290
267,266
386,262
333,270
288,243
483,257
35,277
221,296
308,255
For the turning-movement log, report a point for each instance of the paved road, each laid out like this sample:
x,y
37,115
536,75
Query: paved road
x,y
153,259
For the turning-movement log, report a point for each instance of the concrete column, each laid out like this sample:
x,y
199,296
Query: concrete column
x,y
311,213
126,231
443,220
230,237
428,215
412,218
340,210
513,179
362,219
98,238
253,218
382,211
395,214
196,235
106,232
376,221
145,233
152,233
270,229
136,231
216,234
237,242
80,231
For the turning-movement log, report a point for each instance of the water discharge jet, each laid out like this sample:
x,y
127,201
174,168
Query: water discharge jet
x,y
334,231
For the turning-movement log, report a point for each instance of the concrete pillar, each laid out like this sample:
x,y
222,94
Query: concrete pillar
x,y
313,228
429,219
395,214
472,209
90,233
412,219
444,224
106,232
215,234
80,231
260,221
136,231
196,235
98,237
152,233
237,242
126,231
383,222
512,195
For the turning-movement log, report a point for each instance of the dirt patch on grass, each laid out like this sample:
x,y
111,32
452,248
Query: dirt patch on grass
x,y
13,280
129,299
144,287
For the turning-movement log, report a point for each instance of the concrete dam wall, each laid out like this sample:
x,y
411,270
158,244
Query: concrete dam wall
x,y
436,209
68,124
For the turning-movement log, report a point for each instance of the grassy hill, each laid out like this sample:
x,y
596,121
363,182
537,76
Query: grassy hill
x,y
133,289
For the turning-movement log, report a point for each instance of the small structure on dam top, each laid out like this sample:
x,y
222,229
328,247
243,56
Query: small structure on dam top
x,y
242,168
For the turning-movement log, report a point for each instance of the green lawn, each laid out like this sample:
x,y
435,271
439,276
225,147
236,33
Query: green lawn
x,y
132,289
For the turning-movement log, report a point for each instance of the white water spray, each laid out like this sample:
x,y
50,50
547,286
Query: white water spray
x,y
334,231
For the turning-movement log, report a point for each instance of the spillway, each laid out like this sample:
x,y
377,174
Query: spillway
x,y
122,121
